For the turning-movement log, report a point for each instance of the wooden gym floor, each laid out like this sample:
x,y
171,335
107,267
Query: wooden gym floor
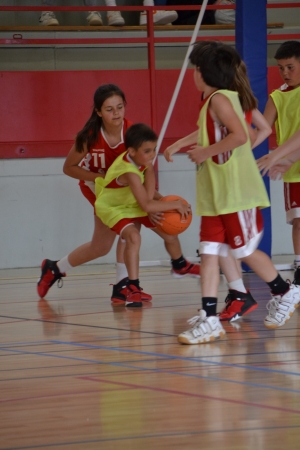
x,y
77,373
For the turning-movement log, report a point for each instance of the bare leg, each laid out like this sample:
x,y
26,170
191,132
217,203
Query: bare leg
x,y
172,244
262,265
120,251
296,236
230,267
132,236
210,275
101,243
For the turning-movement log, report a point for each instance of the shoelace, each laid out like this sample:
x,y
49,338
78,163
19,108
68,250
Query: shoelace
x,y
195,320
272,306
60,283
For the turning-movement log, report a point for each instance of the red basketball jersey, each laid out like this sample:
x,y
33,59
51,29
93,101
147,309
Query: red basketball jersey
x,y
102,155
100,158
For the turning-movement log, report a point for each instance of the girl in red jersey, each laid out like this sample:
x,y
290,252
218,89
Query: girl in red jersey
x,y
96,147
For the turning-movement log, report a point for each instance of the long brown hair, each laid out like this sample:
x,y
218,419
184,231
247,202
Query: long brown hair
x,y
241,85
90,131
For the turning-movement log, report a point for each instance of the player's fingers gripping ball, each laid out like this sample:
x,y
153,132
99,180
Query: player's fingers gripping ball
x,y
172,222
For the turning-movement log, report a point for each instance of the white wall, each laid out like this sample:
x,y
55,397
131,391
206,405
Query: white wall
x,y
44,215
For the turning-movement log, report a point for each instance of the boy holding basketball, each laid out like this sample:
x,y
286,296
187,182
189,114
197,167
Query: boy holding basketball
x,y
125,197
230,193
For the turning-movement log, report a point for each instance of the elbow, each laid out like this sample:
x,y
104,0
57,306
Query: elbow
x,y
242,139
146,208
268,131
66,169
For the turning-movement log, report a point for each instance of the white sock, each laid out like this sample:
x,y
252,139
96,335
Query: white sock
x,y
297,261
237,285
121,272
111,3
64,265
148,2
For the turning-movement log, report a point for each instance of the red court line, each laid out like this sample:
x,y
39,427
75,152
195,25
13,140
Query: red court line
x,y
187,394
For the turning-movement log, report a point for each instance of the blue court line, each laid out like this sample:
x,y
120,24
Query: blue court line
x,y
155,436
180,358
11,344
169,372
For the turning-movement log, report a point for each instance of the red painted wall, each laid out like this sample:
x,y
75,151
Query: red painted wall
x,y
41,112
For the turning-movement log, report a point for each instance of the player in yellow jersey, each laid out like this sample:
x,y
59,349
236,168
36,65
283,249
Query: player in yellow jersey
x,y
230,194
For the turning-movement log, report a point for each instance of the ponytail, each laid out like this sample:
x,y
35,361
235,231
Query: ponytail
x,y
242,86
89,133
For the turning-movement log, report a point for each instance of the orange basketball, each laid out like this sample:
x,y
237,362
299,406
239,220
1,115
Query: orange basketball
x,y
172,222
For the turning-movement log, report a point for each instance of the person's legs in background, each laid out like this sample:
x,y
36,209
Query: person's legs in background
x,y
159,17
48,18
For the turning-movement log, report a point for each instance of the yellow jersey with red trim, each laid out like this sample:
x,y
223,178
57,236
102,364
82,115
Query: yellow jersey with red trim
x,y
115,202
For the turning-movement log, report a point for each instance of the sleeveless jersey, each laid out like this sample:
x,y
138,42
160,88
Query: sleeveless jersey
x,y
216,133
234,185
287,103
101,156
115,202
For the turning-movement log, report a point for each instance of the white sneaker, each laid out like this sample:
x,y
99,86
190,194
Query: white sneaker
x,y
281,308
94,18
204,329
159,17
48,18
115,19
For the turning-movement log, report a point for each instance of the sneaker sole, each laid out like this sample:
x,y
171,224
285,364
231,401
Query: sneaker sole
x,y
42,294
122,302
177,275
164,22
272,326
49,24
238,315
95,24
117,301
134,304
116,24
185,340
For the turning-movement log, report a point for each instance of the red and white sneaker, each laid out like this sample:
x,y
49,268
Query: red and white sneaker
x,y
50,274
120,292
190,270
237,305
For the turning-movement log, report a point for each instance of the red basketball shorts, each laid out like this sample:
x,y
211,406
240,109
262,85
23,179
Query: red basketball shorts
x,y
292,201
88,190
124,223
240,231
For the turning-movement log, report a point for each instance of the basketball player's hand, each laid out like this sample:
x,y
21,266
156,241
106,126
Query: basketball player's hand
x,y
184,209
174,148
197,154
266,162
274,165
156,218
278,170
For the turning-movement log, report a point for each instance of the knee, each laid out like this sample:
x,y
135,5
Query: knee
x,y
169,239
296,224
133,238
